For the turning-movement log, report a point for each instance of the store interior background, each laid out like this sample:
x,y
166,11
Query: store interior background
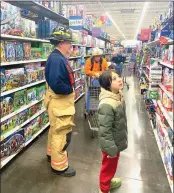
x,y
146,167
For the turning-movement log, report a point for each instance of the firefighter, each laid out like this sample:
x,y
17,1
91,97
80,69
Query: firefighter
x,y
96,65
59,101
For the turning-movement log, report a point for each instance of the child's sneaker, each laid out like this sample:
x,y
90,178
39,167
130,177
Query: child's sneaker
x,y
115,183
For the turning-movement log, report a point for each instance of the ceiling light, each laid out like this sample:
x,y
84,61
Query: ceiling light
x,y
110,17
141,18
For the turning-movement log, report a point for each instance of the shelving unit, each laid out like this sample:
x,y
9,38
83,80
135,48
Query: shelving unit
x,y
22,62
167,92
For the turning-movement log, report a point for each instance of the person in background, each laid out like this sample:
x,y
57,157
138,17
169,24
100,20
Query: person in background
x,y
112,128
59,102
118,60
95,65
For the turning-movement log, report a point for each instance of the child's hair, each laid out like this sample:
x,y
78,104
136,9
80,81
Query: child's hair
x,y
105,79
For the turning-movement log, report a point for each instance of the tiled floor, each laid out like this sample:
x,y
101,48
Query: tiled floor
x,y
140,166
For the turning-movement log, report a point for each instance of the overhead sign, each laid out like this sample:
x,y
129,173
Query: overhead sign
x,y
76,22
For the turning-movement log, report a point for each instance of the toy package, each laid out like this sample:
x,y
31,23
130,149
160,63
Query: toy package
x,y
167,102
40,105
31,95
45,118
8,125
20,99
3,80
6,105
27,50
46,50
28,132
36,51
22,117
37,124
19,51
28,28
11,21
10,51
32,110
40,73
41,90
12,144
3,59
15,78
169,160
31,75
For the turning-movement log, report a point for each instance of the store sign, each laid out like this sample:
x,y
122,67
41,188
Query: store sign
x,y
76,22
102,21
145,34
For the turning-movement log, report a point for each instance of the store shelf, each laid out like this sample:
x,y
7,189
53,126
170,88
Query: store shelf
x,y
167,92
77,69
19,110
148,67
145,74
78,87
166,114
21,88
76,57
40,10
38,133
155,59
22,62
4,36
79,97
5,135
78,79
5,161
162,157
167,64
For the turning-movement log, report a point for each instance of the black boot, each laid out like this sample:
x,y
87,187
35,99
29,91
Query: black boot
x,y
48,158
69,172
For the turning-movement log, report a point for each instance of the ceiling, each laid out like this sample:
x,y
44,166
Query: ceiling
x,y
125,14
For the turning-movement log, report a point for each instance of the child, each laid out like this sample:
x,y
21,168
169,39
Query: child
x,y
112,128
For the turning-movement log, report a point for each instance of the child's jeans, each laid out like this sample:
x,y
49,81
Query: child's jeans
x,y
107,172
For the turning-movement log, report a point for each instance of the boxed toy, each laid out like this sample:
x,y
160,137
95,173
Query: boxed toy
x,y
36,53
3,80
40,105
8,125
15,78
46,50
6,105
19,51
167,102
28,132
31,95
169,160
12,144
20,99
28,28
22,117
41,90
37,124
11,21
3,58
27,50
153,94
40,73
45,119
10,51
32,110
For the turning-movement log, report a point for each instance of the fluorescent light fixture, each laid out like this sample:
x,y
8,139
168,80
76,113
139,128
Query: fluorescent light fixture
x,y
110,17
141,18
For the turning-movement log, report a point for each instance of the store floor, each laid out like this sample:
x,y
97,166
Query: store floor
x,y
140,166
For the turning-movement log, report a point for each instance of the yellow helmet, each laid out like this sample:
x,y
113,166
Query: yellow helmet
x,y
97,52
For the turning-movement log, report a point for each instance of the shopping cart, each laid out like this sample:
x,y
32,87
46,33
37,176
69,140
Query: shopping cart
x,y
126,72
92,91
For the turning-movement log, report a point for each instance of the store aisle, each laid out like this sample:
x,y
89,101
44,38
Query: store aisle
x,y
140,166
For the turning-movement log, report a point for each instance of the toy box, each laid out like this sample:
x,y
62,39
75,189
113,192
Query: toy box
x,y
46,50
6,105
153,95
12,144
31,95
8,125
167,102
45,118
40,73
20,99
169,160
37,123
3,80
27,50
10,51
22,117
32,110
41,90
15,78
28,28
28,132
31,75
19,51
36,51
40,105
3,58
11,21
